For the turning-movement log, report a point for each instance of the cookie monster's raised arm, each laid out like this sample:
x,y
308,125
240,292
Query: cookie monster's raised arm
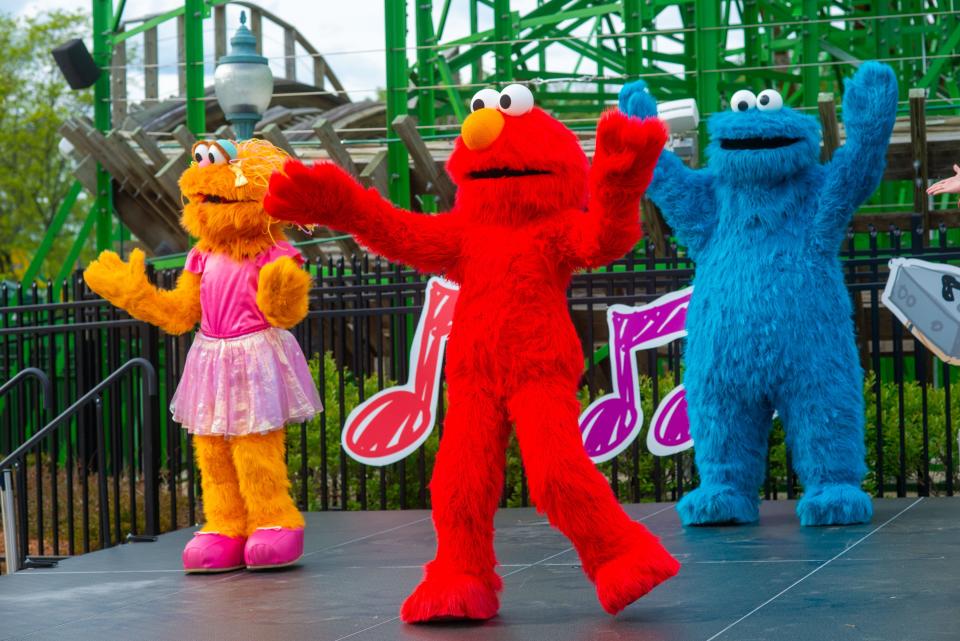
x,y
869,111
685,196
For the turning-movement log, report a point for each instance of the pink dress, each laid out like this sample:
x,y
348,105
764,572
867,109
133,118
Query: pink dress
x,y
242,375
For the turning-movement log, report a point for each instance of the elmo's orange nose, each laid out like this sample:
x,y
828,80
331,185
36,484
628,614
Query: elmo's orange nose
x,y
481,128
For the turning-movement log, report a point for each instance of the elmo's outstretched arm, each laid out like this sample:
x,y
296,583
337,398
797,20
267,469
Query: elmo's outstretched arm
x,y
627,150
326,195
684,196
869,111
125,285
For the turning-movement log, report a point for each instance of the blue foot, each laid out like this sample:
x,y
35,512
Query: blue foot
x,y
718,504
834,504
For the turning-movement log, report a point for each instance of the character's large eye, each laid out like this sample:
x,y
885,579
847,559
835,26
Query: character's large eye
x,y
516,100
743,100
769,100
485,98
216,156
200,152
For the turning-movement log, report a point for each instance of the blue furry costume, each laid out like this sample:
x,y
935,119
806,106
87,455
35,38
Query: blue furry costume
x,y
770,323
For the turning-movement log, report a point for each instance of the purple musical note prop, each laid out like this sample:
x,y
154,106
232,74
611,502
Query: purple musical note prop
x,y
611,422
669,431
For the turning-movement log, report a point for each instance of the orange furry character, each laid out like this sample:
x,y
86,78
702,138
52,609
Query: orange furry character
x,y
245,377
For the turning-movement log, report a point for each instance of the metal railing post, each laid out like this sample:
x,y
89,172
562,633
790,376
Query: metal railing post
x,y
11,552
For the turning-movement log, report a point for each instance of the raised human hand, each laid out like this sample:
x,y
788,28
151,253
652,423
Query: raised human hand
x,y
323,194
283,291
870,102
627,150
637,101
949,185
116,280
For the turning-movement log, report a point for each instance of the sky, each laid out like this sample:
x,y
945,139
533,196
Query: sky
x,y
350,34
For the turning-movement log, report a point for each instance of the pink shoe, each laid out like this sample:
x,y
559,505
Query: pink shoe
x,y
273,547
213,552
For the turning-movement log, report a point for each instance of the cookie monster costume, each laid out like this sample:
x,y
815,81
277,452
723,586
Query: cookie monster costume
x,y
770,323
529,212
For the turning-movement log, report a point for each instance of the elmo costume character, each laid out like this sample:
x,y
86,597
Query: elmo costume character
x,y
521,225
245,377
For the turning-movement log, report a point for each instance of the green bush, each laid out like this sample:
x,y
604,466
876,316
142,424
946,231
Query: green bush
x,y
913,453
416,495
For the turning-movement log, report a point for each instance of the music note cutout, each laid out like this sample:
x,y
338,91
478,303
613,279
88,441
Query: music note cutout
x,y
612,422
396,421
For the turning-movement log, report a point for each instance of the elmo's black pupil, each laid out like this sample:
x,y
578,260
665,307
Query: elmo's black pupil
x,y
198,156
743,106
477,104
505,101
210,156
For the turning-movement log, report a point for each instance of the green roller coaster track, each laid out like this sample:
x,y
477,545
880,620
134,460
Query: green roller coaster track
x,y
578,53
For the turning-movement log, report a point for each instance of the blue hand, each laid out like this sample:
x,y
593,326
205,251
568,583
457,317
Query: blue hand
x,y
870,100
637,101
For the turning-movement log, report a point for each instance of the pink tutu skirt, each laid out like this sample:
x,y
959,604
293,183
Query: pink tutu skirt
x,y
250,384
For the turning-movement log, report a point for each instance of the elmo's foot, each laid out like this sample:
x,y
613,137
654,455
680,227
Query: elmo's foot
x,y
623,580
447,596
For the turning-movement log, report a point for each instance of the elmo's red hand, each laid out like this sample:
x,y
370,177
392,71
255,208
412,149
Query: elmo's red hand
x,y
320,195
626,154
327,195
627,151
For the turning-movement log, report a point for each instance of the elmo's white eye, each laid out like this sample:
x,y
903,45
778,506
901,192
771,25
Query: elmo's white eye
x,y
200,151
216,155
743,100
516,100
485,98
769,100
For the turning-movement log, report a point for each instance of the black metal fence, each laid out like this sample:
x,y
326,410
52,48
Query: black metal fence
x,y
357,337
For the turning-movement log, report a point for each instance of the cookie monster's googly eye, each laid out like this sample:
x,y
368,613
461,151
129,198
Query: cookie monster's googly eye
x,y
516,100
485,99
201,152
743,100
769,100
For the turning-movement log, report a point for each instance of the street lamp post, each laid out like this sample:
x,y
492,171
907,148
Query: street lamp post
x,y
243,82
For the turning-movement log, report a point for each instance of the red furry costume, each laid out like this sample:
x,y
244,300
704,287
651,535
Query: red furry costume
x,y
520,227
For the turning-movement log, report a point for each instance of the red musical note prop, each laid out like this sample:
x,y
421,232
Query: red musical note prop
x,y
396,421
613,421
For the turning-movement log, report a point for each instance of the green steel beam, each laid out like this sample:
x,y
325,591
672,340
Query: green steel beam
x,y
194,13
707,59
503,33
118,16
102,52
633,45
398,164
811,47
426,72
63,212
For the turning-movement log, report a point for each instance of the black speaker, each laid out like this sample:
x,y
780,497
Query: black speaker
x,y
76,64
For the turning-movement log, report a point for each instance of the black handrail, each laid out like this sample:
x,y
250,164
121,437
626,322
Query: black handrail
x,y
150,464
38,374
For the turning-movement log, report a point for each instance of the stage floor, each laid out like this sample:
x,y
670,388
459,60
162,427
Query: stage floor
x,y
895,579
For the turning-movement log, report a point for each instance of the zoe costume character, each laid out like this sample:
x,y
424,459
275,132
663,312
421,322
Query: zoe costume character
x,y
245,377
520,227
770,323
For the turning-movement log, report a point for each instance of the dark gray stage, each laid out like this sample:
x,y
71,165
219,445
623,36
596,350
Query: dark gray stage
x,y
895,579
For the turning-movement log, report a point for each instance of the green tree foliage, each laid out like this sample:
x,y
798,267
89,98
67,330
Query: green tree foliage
x,y
34,176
